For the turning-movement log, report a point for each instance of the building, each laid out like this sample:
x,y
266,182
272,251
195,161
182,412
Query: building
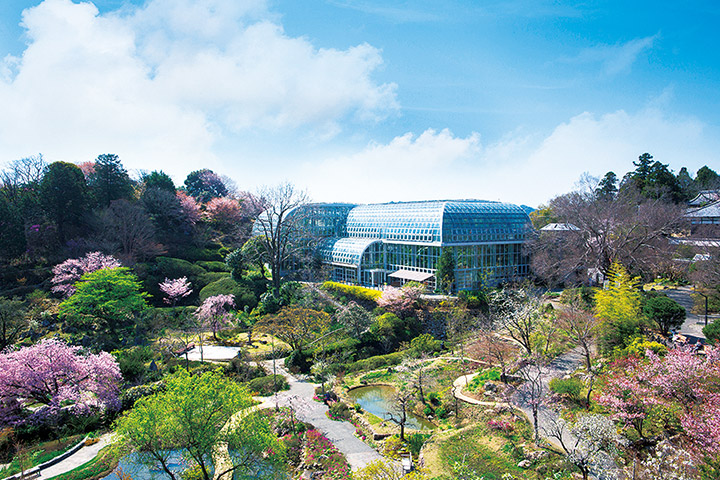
x,y
392,243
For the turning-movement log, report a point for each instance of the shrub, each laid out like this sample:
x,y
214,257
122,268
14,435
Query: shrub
x,y
428,411
243,371
434,398
298,361
132,362
441,412
360,293
379,361
474,299
501,425
266,385
425,343
416,441
479,380
638,346
228,286
340,411
712,331
570,387
214,266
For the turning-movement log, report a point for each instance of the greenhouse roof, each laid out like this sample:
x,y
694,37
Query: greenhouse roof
x,y
344,251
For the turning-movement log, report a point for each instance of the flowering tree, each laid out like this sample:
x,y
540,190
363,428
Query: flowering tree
x,y
175,289
67,273
593,437
681,380
400,301
189,207
223,210
57,377
214,314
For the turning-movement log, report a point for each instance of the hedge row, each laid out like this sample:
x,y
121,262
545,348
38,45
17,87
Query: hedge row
x,y
373,363
361,293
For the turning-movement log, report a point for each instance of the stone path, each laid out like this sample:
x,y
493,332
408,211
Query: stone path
x,y
300,398
81,457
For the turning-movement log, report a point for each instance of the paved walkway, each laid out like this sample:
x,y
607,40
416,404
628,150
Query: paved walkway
x,y
81,457
212,353
341,434
694,323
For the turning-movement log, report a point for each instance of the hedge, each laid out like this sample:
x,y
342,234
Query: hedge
x,y
361,293
379,361
265,385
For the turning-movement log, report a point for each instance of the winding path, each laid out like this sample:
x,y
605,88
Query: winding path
x,y
77,459
300,398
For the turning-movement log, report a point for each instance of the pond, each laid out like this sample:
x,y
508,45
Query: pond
x,y
378,400
130,465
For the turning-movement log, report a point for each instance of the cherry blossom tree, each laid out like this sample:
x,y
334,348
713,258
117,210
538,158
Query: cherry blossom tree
x,y
58,378
400,301
67,273
189,208
681,380
175,289
214,312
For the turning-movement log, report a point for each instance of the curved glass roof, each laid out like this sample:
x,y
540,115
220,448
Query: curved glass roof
x,y
461,221
347,251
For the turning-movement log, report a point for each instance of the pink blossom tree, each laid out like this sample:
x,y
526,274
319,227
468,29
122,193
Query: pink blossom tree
x,y
189,207
214,312
175,290
67,273
57,377
628,393
400,301
681,380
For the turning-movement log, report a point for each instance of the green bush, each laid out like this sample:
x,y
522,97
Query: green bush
x,y
360,293
712,331
379,361
243,371
570,387
228,286
214,266
474,299
425,343
434,398
210,277
132,362
265,386
441,412
479,380
638,346
340,411
153,273
416,441
298,361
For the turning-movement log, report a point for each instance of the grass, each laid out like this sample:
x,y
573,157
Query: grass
x,y
41,454
102,465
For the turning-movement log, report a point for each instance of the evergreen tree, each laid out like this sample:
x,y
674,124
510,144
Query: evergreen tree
x,y
687,184
109,180
707,179
64,196
160,180
445,272
607,188
205,185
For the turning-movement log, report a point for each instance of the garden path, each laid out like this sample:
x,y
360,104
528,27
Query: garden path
x,y
81,457
300,399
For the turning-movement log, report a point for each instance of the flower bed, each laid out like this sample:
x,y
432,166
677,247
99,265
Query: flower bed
x,y
322,454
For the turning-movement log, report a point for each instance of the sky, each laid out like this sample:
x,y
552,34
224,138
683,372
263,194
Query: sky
x,y
365,101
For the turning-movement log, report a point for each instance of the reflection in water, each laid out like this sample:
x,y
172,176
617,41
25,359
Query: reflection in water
x,y
378,400
132,466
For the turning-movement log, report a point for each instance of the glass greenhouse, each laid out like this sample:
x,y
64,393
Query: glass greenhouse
x,y
392,243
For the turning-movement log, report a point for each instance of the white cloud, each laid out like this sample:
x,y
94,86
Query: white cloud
x,y
516,169
614,59
166,81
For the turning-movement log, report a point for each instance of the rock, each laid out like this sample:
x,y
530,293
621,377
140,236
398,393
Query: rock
x,y
491,387
524,464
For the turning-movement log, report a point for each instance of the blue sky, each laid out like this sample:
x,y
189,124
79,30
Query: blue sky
x,y
365,100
